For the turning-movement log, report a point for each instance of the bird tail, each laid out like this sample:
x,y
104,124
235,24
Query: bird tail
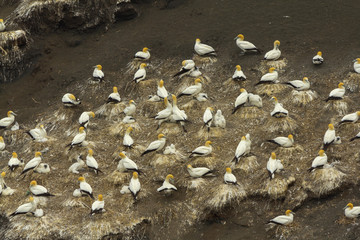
x,y
352,139
310,169
28,132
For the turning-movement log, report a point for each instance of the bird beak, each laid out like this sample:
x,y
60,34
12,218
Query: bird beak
x,y
355,60
293,213
345,207
236,38
14,114
94,66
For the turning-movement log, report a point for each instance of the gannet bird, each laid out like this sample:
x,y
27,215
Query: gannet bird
x,y
167,186
187,66
229,178
128,119
199,172
85,117
70,100
156,145
238,74
283,141
2,144
202,150
33,163
245,46
29,207
329,136
241,100
356,137
319,161
202,97
275,53
318,59
357,65
240,150
273,165
352,117
38,190
114,97
337,93
128,141
134,185
283,219
351,211
78,139
219,119
85,188
97,206
2,182
164,114
7,121
248,144
14,162
278,111
203,49
254,100
300,85
2,25
91,162
127,164
193,90
140,73
161,90
130,109
177,114
270,77
38,133
74,168
98,73
208,117
143,55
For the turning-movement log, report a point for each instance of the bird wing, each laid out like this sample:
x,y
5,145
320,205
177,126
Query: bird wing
x,y
129,164
24,208
4,122
282,219
329,136
134,186
319,161
79,138
241,99
240,150
84,186
201,150
246,45
207,116
128,141
269,77
140,73
203,48
84,118
190,90
37,190
154,145
162,92
201,171
337,92
91,162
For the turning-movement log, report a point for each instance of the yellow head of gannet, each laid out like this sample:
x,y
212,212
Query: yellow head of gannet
x,y
331,127
305,79
14,155
350,205
228,170
276,43
122,155
91,152
207,143
189,166
273,155
272,69
3,174
242,90
72,97
9,113
198,80
243,138
160,136
135,175
31,199
81,129
81,179
166,101
198,40
99,67
33,183
115,90
161,83
42,126
275,99
129,129
183,62
131,101
100,197
1,139
358,113
238,67
291,136
1,20
358,60
143,65
288,212
174,98
37,154
145,49
169,176
321,152
341,85
92,114
241,36
319,53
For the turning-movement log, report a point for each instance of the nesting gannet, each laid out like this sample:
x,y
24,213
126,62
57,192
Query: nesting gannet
x,y
300,85
270,77
241,100
208,117
38,190
140,73
283,219
98,73
337,93
7,121
248,144
245,46
219,119
187,66
319,161
143,55
14,162
357,65
2,25
70,100
2,144
134,185
192,90
29,207
240,149
98,205
329,136
130,109
33,163
91,162
128,141
78,139
283,141
351,211
199,171
167,186
38,133
318,59
85,117
177,114
128,119
202,150
352,117
75,167
127,164
156,145
278,111
229,178
202,97
161,90
203,49
275,53
238,74
273,165
85,188
254,100
164,114
114,97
